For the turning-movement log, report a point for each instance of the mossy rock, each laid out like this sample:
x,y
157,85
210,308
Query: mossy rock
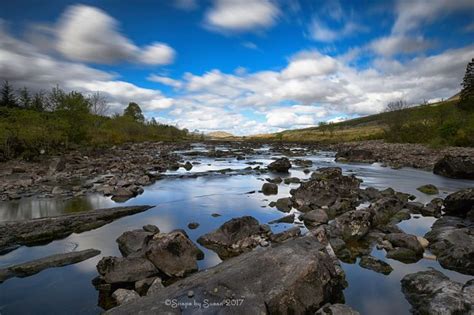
x,y
429,189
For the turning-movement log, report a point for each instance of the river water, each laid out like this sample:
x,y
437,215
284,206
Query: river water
x,y
179,201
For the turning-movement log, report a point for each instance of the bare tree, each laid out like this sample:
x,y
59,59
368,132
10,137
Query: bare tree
x,y
396,105
99,104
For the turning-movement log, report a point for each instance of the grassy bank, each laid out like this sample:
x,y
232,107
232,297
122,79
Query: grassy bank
x,y
440,124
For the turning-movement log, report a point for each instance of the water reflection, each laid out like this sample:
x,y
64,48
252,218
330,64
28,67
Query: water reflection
x,y
180,201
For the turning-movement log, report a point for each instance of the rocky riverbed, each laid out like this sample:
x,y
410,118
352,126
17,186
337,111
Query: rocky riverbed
x,y
234,224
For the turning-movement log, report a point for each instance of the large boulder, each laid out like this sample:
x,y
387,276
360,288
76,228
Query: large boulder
x,y
128,269
355,155
325,188
133,241
314,218
281,165
461,167
431,292
451,239
354,224
460,202
173,254
234,237
280,289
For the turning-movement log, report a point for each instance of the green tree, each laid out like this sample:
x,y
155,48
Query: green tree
x,y
74,109
135,112
24,98
38,103
8,98
467,92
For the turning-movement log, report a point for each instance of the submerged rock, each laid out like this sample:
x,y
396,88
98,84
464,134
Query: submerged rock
x,y
429,189
377,265
431,292
281,289
281,165
461,167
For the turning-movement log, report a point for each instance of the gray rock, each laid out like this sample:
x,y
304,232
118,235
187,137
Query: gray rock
x,y
460,202
33,267
151,228
127,269
269,189
406,247
314,218
355,155
284,204
281,289
354,224
377,265
174,254
286,219
133,241
155,287
461,167
57,165
123,296
281,165
336,309
433,208
291,180
384,209
286,235
451,239
142,286
431,292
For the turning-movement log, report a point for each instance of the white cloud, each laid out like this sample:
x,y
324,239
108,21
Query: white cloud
x,y
296,116
239,16
310,64
165,80
319,31
157,54
395,44
412,14
88,34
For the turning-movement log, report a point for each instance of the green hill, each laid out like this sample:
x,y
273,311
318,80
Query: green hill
x,y
436,124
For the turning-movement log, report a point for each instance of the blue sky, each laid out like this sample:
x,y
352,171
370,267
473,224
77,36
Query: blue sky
x,y
243,66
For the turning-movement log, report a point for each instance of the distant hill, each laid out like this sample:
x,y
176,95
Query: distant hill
x,y
220,135
440,123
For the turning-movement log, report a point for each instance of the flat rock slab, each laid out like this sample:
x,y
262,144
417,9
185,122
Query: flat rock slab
x,y
295,277
37,265
45,230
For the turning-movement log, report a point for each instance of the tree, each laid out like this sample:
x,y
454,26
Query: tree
x,y
99,104
38,103
55,98
8,98
24,98
467,93
135,112
396,106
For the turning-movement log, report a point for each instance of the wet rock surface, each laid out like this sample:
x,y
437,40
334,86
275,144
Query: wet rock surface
x,y
431,292
281,289
281,165
38,265
460,202
455,167
45,230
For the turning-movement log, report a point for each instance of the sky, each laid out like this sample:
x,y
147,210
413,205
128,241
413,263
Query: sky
x,y
241,66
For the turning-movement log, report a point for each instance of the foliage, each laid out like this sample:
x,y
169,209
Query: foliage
x,y
56,121
134,112
466,101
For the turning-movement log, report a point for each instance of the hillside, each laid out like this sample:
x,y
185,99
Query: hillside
x,y
220,135
441,123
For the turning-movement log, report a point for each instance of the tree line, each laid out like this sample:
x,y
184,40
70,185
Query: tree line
x,y
38,123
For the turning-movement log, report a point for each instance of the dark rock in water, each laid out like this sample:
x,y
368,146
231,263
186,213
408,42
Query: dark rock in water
x,y
355,155
384,209
377,265
406,247
284,204
303,163
451,239
151,228
234,237
193,225
133,241
354,224
215,215
431,292
286,219
336,309
461,167
326,186
429,189
314,218
276,180
285,235
123,296
281,289
127,269
174,254
45,230
37,265
269,189
188,166
291,180
433,208
460,202
281,165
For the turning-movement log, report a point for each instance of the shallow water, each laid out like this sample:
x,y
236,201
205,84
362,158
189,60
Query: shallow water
x,y
179,201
